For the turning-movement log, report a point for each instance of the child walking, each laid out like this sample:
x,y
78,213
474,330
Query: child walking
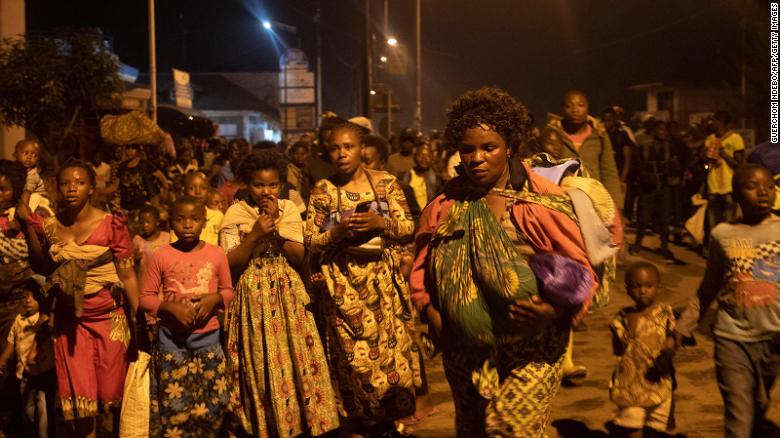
x,y
190,391
275,355
742,274
643,340
30,340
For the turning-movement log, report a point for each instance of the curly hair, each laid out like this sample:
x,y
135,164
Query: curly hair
x,y
81,164
490,106
17,176
262,159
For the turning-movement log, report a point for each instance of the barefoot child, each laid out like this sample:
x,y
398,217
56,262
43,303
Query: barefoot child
x,y
191,395
642,338
31,341
742,274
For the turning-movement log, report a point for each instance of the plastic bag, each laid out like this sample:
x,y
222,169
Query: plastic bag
x,y
136,402
695,224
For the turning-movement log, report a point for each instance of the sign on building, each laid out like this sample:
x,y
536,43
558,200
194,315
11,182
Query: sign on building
x,y
182,88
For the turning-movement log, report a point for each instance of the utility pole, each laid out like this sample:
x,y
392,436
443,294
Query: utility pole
x,y
318,79
152,61
418,70
367,61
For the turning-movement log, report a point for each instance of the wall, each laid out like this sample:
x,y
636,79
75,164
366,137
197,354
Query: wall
x,y
12,24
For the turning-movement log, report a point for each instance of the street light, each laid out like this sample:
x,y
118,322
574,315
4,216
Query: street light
x,y
392,41
266,25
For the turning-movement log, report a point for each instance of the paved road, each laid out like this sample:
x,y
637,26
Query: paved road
x,y
582,411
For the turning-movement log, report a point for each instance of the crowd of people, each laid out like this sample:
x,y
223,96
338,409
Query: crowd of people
x,y
277,289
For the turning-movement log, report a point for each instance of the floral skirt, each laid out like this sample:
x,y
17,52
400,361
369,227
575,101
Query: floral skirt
x,y
90,355
275,356
189,386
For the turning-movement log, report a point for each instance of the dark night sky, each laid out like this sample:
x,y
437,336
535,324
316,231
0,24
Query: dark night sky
x,y
535,49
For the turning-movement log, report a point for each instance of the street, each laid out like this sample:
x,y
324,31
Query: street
x,y
584,410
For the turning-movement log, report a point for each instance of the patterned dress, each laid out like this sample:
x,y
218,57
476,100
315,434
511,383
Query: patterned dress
x,y
275,356
641,344
504,384
365,304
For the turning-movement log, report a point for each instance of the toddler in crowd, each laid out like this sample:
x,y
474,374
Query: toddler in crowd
x,y
28,154
216,201
31,341
643,340
150,237
191,395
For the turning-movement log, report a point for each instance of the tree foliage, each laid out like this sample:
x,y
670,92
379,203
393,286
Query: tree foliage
x,y
49,84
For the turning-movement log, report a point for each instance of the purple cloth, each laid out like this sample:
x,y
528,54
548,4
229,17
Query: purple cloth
x,y
563,281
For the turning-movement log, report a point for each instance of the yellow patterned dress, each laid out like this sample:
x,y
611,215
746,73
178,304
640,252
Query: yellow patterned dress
x,y
275,355
365,304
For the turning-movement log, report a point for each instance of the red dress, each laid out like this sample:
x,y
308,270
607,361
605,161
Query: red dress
x,y
90,351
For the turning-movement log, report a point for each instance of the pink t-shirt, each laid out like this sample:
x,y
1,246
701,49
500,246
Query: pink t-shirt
x,y
183,275
578,139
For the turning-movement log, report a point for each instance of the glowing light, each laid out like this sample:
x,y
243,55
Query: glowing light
x,y
266,25
372,92
392,41
383,58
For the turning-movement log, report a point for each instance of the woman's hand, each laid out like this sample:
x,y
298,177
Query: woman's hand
x,y
340,232
264,225
534,312
366,222
270,206
204,307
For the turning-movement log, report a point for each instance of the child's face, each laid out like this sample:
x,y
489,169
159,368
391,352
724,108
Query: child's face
x,y
756,194
265,184
6,193
198,187
148,224
187,221
30,306
216,201
642,287
28,154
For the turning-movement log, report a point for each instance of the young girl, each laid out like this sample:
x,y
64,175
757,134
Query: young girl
x,y
190,398
91,330
643,339
274,351
743,274
354,223
150,237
